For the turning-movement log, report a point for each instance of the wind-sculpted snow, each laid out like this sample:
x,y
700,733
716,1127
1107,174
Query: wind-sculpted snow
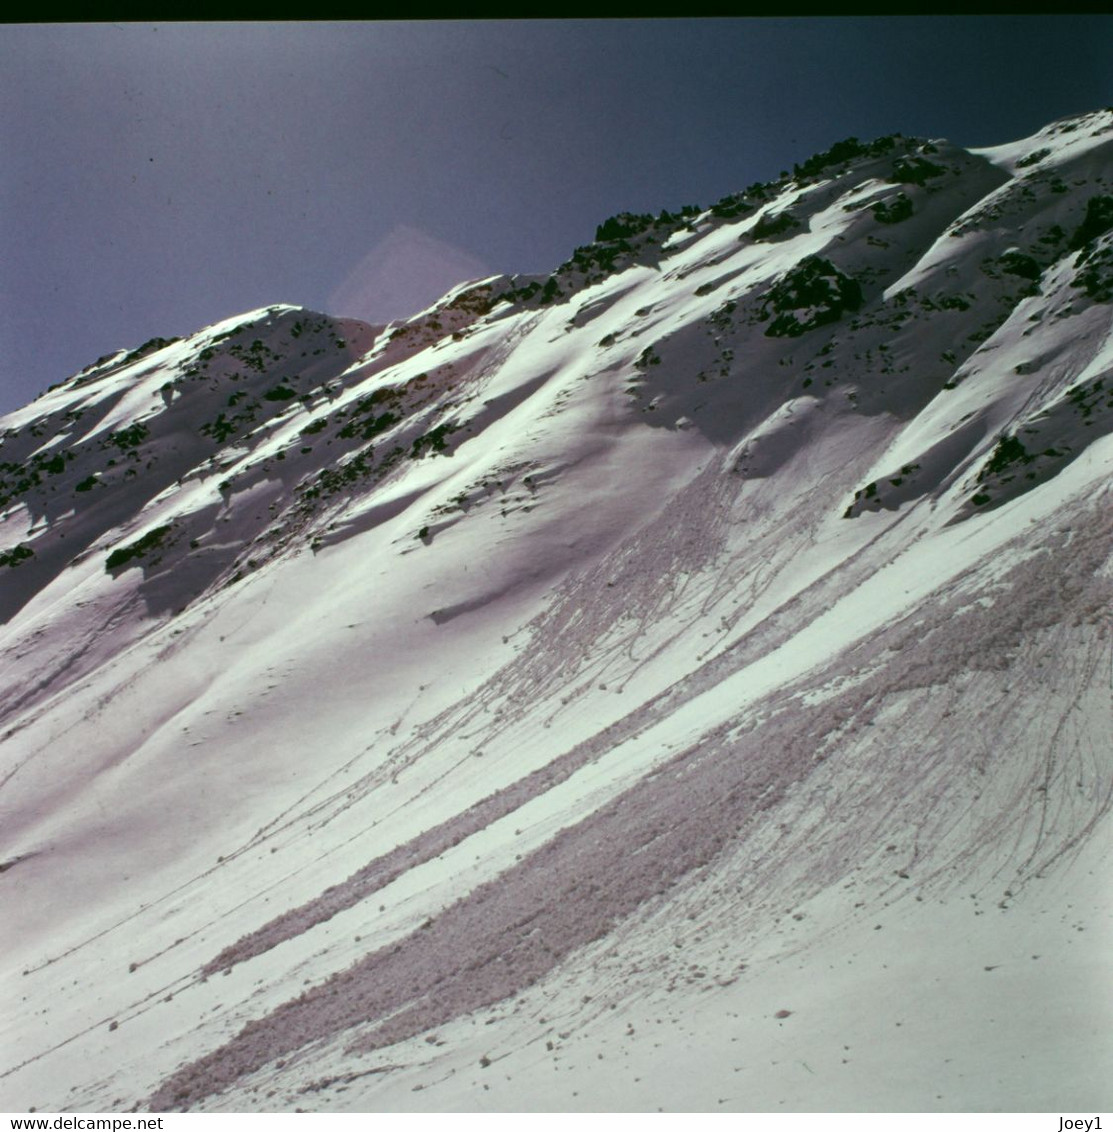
x,y
623,646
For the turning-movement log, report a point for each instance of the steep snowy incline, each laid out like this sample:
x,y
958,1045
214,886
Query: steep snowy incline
x,y
384,703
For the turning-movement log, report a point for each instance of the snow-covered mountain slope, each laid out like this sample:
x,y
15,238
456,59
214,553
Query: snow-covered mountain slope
x,y
680,681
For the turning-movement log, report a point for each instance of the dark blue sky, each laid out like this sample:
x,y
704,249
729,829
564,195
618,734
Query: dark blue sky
x,y
155,178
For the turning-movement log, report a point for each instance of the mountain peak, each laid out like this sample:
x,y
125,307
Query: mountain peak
x,y
709,633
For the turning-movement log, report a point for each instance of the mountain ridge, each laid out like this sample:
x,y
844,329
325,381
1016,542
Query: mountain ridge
x,y
455,667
